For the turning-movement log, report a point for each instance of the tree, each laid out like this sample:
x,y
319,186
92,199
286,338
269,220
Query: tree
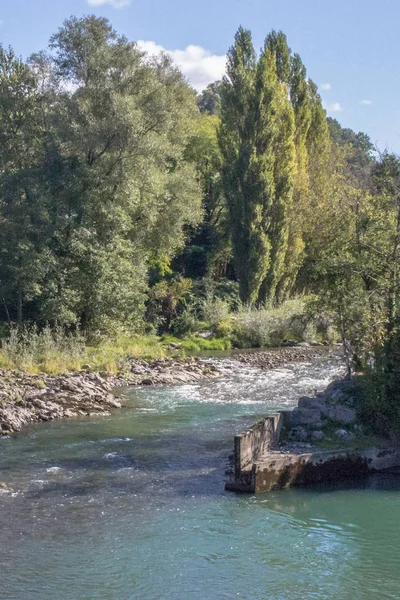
x,y
209,101
112,183
23,217
256,140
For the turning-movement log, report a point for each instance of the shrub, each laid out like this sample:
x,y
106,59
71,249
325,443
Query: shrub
x,y
259,327
215,310
185,323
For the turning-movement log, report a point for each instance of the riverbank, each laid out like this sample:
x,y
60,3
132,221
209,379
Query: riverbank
x,y
26,398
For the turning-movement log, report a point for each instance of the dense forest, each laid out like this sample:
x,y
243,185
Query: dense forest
x,y
130,205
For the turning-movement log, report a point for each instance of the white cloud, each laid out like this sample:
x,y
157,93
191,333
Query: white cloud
x,y
199,66
325,87
336,107
366,102
114,3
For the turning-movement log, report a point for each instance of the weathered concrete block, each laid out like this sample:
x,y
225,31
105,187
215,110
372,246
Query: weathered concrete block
x,y
278,471
257,440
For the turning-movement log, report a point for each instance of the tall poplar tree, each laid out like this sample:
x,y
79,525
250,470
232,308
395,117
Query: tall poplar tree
x,y
256,140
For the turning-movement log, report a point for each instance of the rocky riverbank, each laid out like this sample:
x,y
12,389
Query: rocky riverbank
x,y
329,413
26,399
274,358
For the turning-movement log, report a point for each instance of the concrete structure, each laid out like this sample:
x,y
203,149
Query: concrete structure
x,y
261,466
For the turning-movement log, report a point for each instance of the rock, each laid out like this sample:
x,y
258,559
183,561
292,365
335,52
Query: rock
x,y
344,435
311,403
298,434
303,416
113,402
342,414
317,435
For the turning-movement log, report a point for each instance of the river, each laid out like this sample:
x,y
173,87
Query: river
x,y
133,506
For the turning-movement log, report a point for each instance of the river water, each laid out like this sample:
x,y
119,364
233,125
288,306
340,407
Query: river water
x,y
133,506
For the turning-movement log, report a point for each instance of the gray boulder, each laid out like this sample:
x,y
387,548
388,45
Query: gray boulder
x,y
310,403
298,434
344,435
342,414
303,416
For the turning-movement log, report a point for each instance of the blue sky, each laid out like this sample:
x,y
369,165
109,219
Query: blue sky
x,y
351,48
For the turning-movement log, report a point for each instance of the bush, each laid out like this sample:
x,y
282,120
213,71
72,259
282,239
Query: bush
x,y
257,327
185,323
225,328
214,310
225,290
380,406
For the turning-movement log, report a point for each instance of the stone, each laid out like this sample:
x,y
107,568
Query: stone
x,y
342,414
311,403
304,416
344,435
298,434
317,435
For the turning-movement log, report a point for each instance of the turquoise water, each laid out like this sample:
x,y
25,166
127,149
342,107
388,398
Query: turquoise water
x,y
133,506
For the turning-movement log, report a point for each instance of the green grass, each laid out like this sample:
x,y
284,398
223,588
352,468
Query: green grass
x,y
361,440
193,344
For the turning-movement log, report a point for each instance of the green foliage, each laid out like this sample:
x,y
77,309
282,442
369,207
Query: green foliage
x,y
110,190
194,344
167,300
209,101
185,323
257,144
223,289
209,249
258,327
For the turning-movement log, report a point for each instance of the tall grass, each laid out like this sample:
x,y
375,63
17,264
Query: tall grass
x,y
55,351
258,327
